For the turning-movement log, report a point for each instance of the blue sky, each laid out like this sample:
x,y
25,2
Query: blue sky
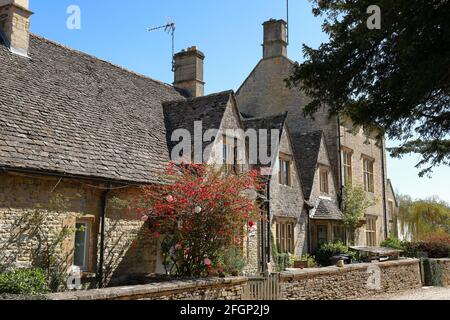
x,y
228,32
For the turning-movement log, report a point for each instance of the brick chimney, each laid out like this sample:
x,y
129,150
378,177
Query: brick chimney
x,y
189,71
275,39
15,25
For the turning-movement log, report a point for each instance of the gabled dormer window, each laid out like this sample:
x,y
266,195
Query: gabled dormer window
x,y
284,173
230,155
324,173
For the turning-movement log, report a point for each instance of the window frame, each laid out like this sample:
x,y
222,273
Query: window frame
x,y
327,238
342,229
285,170
368,174
229,150
87,243
285,236
347,165
324,178
371,231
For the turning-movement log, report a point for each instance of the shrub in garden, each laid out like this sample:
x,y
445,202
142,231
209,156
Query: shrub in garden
x,y
393,243
200,212
231,262
437,245
23,282
311,260
328,250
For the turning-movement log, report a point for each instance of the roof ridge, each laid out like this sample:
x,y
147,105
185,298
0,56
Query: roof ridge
x,y
101,60
190,99
281,114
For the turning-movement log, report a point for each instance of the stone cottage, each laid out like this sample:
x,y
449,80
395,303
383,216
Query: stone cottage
x,y
355,156
77,132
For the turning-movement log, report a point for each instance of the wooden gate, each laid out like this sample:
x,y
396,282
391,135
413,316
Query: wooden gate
x,y
263,288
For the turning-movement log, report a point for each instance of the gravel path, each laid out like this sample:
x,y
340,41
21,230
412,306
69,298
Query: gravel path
x,y
426,293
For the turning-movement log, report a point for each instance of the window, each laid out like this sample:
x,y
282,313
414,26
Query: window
x,y
322,234
347,164
82,239
284,173
368,175
371,229
324,186
285,237
391,210
230,155
339,233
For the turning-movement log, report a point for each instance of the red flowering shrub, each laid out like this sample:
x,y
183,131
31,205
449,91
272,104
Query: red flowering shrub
x,y
200,212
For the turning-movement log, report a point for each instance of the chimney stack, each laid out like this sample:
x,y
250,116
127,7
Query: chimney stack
x,y
15,25
189,71
275,39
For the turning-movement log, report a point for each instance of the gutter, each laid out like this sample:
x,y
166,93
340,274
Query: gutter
x,y
341,187
383,167
72,176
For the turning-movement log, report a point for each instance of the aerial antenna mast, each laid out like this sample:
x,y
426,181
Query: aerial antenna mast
x,y
169,28
287,21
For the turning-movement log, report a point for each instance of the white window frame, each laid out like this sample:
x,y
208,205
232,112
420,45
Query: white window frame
x,y
87,238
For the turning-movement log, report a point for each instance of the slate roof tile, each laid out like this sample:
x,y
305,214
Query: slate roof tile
x,y
67,112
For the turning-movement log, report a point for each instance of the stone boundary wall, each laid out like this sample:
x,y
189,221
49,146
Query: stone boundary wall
x,y
349,282
205,289
445,266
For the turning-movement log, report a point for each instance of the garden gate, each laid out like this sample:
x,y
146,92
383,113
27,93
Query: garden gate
x,y
263,288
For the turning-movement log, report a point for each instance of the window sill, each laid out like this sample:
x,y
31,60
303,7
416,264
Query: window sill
x,y
88,275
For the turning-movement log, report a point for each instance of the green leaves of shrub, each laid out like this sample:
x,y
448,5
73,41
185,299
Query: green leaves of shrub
x,y
329,250
393,243
23,281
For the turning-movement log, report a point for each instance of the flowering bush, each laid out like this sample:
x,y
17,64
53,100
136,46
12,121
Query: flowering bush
x,y
198,214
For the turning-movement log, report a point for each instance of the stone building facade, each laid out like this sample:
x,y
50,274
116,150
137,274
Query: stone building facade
x,y
78,134
265,93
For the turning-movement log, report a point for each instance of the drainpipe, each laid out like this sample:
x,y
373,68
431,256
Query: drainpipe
x,y
308,228
102,236
269,235
341,187
263,244
383,167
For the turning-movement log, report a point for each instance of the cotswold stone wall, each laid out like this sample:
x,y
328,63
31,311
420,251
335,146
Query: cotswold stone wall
x,y
444,264
207,289
350,282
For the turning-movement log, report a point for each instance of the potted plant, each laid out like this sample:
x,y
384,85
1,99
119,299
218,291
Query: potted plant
x,y
304,261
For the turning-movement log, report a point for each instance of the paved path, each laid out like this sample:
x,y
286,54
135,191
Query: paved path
x,y
426,293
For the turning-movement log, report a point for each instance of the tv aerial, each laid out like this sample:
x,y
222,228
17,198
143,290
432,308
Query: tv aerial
x,y
168,28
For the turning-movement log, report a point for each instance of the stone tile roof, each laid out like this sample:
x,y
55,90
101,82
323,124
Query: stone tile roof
x,y
306,152
183,113
66,112
268,123
326,209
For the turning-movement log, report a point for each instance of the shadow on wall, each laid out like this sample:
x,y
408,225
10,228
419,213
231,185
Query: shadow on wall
x,y
130,252
39,238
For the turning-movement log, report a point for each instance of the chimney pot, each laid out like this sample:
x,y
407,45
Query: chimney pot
x,y
275,38
189,71
15,25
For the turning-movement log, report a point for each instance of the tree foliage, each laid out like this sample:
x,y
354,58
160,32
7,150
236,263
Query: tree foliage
x,y
198,215
397,77
421,218
354,207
